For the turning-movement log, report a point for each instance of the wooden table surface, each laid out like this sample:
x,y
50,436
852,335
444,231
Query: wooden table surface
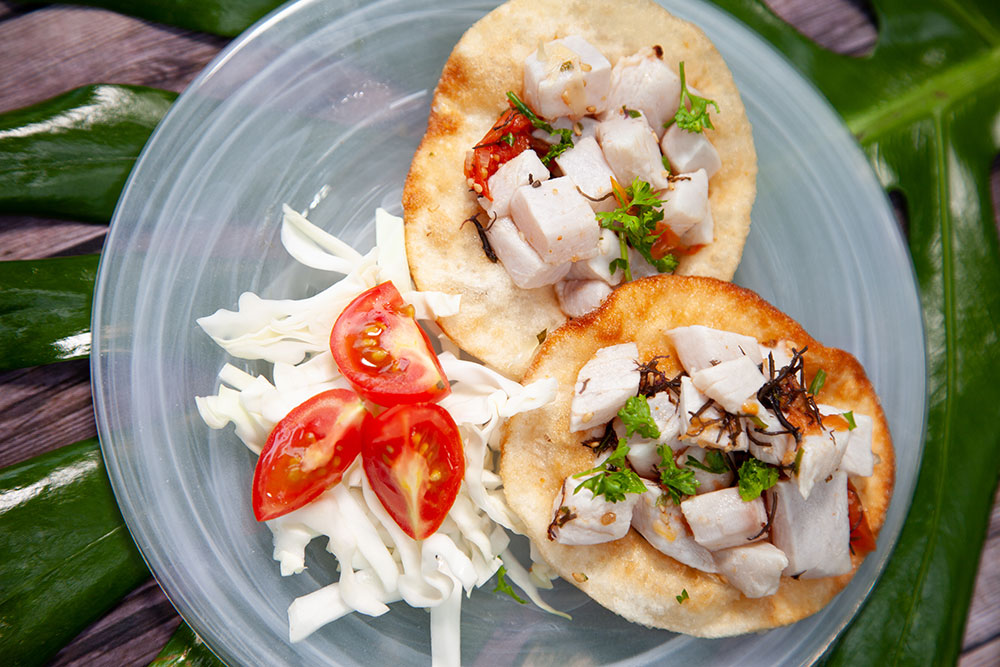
x,y
45,51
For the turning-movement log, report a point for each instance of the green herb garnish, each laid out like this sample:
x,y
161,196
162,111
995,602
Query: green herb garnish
x,y
683,596
715,463
637,418
849,416
565,135
696,119
508,139
666,163
798,461
677,481
755,478
635,221
613,478
631,113
504,587
818,381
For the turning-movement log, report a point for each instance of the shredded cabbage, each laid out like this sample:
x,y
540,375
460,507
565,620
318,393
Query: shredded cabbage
x,y
379,563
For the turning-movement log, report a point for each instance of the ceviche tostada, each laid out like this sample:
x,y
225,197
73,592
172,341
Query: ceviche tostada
x,y
572,147
706,466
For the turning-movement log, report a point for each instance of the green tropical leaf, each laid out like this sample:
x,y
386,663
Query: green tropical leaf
x,y
67,556
45,310
185,649
925,106
221,17
69,156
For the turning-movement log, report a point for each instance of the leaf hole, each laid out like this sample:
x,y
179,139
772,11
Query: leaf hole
x,y
902,210
847,27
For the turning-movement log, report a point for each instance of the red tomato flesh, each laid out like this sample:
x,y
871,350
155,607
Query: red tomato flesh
x,y
307,452
508,137
382,351
862,538
413,457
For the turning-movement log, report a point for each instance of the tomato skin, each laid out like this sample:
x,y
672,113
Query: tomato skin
x,y
383,352
862,538
307,452
493,150
414,460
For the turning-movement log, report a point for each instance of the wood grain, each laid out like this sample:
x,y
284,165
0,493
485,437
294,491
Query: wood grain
x,y
45,51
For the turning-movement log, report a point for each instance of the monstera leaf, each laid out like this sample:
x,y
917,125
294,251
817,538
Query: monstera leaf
x,y
925,105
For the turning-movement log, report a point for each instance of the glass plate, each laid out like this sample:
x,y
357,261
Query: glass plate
x,y
321,105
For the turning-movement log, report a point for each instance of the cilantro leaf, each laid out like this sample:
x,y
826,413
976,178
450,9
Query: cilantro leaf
x,y
613,478
696,118
755,478
504,587
677,481
683,596
715,462
637,418
565,135
635,221
817,382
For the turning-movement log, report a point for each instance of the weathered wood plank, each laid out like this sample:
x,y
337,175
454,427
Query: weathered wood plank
x,y
51,50
35,238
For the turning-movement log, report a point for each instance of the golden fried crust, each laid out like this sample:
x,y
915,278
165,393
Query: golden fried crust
x,y
629,576
498,321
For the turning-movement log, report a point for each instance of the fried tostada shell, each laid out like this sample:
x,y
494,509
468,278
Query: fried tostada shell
x,y
628,576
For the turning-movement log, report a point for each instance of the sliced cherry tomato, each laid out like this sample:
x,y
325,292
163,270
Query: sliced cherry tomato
x,y
508,137
383,352
668,243
307,452
414,461
862,539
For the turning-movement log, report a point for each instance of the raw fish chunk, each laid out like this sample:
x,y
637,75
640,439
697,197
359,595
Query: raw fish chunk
x,y
661,522
594,519
585,165
686,201
522,263
598,267
690,151
699,346
603,385
567,77
730,383
722,519
520,170
754,569
631,148
814,533
579,297
645,83
556,220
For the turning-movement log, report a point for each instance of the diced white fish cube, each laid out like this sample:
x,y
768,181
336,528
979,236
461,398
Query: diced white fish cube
x,y
730,383
642,454
820,456
645,83
858,460
599,266
522,169
707,481
661,522
632,151
777,357
699,346
556,220
579,297
686,201
767,442
701,233
722,519
594,519
567,77
522,263
584,164
755,570
582,128
603,385
690,402
689,151
814,533
639,266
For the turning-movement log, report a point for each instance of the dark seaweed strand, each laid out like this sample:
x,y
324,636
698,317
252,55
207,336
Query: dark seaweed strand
x,y
772,393
652,380
563,516
595,199
497,126
728,423
770,509
607,440
483,238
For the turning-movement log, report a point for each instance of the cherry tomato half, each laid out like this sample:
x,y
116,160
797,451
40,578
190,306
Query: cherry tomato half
x,y
508,137
307,452
383,352
413,457
862,538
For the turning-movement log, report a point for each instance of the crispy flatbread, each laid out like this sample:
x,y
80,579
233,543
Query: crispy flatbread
x,y
499,322
629,576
